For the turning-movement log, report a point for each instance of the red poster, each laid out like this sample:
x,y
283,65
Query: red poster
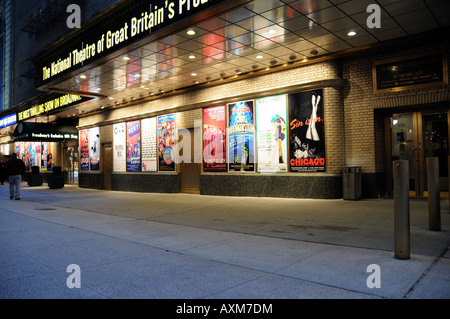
x,y
214,137
84,148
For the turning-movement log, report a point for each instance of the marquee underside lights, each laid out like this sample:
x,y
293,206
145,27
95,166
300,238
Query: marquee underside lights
x,y
145,20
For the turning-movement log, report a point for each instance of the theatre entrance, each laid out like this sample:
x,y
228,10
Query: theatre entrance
x,y
414,136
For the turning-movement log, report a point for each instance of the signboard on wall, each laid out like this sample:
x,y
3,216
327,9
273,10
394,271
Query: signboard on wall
x,y
8,120
306,132
166,142
134,146
241,137
214,139
84,150
406,73
149,147
271,134
119,138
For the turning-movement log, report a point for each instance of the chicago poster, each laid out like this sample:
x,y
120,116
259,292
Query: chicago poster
x,y
307,132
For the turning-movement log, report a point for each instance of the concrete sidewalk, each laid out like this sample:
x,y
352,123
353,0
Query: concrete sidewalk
x,y
181,246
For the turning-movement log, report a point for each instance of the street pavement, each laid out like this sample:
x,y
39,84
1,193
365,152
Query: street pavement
x,y
76,243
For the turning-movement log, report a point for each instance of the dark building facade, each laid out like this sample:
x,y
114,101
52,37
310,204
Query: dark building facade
x,y
249,98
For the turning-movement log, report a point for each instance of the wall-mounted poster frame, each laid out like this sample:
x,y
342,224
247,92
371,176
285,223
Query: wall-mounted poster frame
x,y
241,136
45,158
94,148
306,132
149,145
84,150
214,139
134,146
166,143
410,72
120,150
271,137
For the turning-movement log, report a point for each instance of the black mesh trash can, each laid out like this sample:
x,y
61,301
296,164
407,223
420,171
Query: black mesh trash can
x,y
351,182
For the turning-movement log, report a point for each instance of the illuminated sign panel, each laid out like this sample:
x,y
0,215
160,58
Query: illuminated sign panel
x,y
146,19
47,106
56,136
8,120
32,131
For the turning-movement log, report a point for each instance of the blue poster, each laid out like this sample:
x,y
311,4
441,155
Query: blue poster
x,y
241,137
134,146
166,142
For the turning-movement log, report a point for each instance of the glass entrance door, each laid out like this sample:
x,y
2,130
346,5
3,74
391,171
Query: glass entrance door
x,y
435,136
71,164
416,136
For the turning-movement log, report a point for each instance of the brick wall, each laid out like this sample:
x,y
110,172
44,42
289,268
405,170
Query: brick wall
x,y
364,131
334,129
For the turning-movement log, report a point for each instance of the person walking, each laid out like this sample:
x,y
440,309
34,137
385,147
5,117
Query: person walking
x,y
15,168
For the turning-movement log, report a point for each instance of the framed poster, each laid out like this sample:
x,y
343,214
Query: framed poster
x,y
37,152
44,157
119,138
50,157
271,137
94,148
241,137
166,142
84,151
214,139
306,132
27,156
134,146
149,151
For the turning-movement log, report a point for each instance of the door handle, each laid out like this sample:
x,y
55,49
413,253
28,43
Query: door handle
x,y
421,155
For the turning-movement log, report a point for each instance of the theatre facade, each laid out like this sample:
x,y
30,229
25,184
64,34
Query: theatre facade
x,y
250,98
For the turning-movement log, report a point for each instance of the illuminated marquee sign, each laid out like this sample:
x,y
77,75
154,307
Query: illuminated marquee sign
x,y
145,20
57,136
61,101
8,120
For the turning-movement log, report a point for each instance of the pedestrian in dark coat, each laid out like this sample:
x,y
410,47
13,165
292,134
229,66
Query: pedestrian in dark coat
x,y
15,168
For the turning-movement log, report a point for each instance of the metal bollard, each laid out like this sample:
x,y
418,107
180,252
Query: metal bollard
x,y
434,200
401,209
